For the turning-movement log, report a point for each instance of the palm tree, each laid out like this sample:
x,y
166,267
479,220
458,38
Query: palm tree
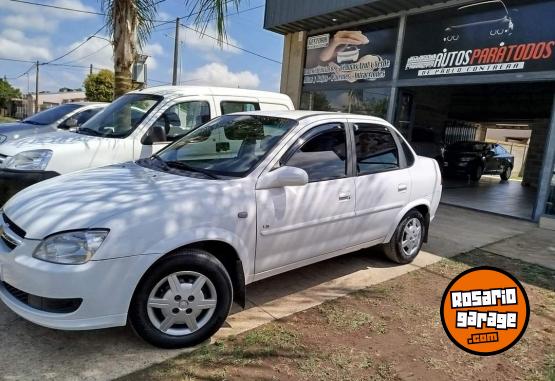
x,y
130,22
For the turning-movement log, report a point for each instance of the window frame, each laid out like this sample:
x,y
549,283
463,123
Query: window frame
x,y
312,132
403,164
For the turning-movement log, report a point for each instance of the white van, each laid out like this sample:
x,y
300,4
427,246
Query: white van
x,y
134,126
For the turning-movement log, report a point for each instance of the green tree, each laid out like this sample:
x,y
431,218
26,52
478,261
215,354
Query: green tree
x,y
7,92
100,87
130,22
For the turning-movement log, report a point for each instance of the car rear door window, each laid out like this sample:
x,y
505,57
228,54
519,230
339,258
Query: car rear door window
x,y
322,153
229,107
376,149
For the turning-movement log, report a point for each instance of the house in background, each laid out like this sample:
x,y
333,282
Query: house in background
x,y
48,100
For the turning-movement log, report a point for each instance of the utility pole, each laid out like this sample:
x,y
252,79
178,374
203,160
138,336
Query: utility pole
x,y
90,70
37,89
176,52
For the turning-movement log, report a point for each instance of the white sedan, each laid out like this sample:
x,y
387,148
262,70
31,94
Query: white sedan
x,y
169,242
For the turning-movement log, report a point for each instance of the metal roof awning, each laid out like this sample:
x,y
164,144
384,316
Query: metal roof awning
x,y
286,16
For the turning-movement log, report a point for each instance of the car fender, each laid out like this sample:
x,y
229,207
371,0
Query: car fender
x,y
413,204
199,235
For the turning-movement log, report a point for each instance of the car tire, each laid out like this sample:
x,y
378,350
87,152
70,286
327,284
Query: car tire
x,y
507,172
404,246
477,173
182,301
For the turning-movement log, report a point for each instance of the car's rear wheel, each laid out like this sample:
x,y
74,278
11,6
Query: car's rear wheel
x,y
408,238
476,175
182,301
506,174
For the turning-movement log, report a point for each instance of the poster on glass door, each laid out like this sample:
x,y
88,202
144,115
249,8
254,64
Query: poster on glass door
x,y
349,56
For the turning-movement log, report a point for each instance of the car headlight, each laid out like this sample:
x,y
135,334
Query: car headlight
x,y
35,160
3,138
71,248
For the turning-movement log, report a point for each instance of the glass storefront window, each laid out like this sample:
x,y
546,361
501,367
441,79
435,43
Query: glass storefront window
x,y
371,101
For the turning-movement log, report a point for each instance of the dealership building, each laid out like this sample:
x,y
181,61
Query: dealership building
x,y
442,72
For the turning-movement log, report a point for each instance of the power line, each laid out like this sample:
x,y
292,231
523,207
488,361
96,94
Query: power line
x,y
163,22
58,7
15,60
88,55
232,45
228,15
22,74
77,47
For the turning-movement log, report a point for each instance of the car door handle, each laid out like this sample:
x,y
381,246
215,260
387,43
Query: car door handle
x,y
402,187
344,196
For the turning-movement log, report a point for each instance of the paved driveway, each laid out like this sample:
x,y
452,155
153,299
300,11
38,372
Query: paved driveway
x,y
31,352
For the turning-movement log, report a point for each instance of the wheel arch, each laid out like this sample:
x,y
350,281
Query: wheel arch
x,y
423,206
225,252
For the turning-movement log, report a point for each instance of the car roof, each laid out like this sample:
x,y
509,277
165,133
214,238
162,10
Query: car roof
x,y
208,90
302,115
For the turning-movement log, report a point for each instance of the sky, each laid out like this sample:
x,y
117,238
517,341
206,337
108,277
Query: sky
x,y
30,33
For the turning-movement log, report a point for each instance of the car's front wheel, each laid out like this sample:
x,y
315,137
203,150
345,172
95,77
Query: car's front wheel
x,y
408,238
182,301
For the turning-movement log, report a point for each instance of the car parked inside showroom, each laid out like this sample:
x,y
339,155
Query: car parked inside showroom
x,y
168,242
63,117
474,159
135,126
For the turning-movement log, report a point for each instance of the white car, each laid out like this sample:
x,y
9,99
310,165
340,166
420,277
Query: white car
x,y
63,117
168,242
134,126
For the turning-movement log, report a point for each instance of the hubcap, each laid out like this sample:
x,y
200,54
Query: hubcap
x,y
412,237
182,303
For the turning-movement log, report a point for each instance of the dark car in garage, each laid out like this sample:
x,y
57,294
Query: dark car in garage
x,y
475,159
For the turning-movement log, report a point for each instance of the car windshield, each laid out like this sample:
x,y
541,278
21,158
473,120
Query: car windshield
x,y
468,147
121,117
51,115
231,145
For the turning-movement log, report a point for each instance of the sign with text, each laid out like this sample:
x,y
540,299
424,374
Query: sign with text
x,y
350,56
485,37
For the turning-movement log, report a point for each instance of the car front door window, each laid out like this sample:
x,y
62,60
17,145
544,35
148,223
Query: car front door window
x,y
178,120
324,155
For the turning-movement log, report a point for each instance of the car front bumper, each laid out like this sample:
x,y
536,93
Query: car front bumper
x,y
104,288
12,181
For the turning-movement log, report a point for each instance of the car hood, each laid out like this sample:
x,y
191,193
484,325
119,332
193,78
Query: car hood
x,y
20,130
52,140
88,198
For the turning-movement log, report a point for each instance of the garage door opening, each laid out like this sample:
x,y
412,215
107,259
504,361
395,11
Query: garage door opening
x,y
488,139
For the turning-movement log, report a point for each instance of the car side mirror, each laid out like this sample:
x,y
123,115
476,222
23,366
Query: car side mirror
x,y
490,154
283,177
155,134
70,123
